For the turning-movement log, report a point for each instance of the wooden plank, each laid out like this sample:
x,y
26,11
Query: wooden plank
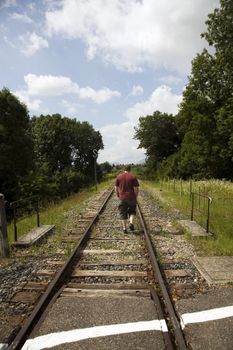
x,y
113,239
177,273
116,263
72,238
55,262
35,285
107,286
45,272
72,292
101,251
94,273
33,236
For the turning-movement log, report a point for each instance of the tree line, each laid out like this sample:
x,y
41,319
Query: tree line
x,y
49,155
198,141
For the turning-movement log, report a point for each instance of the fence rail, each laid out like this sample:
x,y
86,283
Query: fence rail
x,y
199,200
206,199
33,205
3,229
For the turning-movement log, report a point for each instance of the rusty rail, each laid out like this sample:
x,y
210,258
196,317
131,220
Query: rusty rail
x,y
179,338
55,285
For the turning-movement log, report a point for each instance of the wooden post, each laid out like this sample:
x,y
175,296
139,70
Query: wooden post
x,y
37,213
181,188
3,229
190,188
174,185
95,173
192,207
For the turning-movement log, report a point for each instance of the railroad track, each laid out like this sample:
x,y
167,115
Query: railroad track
x,y
108,264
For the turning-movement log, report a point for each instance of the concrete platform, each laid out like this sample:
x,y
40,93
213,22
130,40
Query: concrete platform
x,y
194,228
215,333
33,236
215,269
120,318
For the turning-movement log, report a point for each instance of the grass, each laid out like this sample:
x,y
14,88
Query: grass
x,y
56,214
176,195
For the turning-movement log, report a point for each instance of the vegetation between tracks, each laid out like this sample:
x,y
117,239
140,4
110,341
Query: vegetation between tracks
x,y
177,195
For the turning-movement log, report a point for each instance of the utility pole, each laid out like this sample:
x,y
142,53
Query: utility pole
x,y
95,174
95,153
3,229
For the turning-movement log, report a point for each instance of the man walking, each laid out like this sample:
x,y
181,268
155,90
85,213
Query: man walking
x,y
126,187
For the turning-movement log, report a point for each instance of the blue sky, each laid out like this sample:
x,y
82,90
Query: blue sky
x,y
105,61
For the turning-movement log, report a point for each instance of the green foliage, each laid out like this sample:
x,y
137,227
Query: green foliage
x,y
175,196
200,144
106,168
51,156
205,118
16,147
65,152
158,134
52,141
169,167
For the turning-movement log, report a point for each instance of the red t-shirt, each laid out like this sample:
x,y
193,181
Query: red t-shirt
x,y
126,183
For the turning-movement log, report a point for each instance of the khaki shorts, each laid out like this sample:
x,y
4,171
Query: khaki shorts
x,y
126,208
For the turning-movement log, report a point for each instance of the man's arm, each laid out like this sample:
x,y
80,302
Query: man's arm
x,y
136,190
117,190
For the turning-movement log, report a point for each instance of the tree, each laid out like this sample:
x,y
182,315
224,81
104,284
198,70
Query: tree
x,y
53,140
16,145
86,145
205,116
158,134
65,151
219,34
105,167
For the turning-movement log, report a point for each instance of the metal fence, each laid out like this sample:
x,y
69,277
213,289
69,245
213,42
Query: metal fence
x,y
199,202
23,208
3,228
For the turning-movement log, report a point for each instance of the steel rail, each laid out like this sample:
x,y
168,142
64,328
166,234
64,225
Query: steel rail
x,y
54,285
166,335
176,327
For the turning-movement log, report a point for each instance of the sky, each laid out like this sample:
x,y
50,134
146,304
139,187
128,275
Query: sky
x,y
108,62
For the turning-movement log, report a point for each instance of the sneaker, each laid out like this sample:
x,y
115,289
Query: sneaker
x,y
124,230
131,227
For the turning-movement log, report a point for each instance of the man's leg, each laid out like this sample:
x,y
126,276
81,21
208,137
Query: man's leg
x,y
132,213
131,218
124,224
123,214
131,225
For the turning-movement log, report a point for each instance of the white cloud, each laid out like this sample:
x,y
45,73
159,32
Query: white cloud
x,y
71,108
171,80
31,43
131,34
119,147
162,99
34,105
136,90
21,17
49,85
118,138
9,42
99,96
9,3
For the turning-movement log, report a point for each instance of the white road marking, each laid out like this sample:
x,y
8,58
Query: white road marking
x,y
206,315
54,339
3,346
